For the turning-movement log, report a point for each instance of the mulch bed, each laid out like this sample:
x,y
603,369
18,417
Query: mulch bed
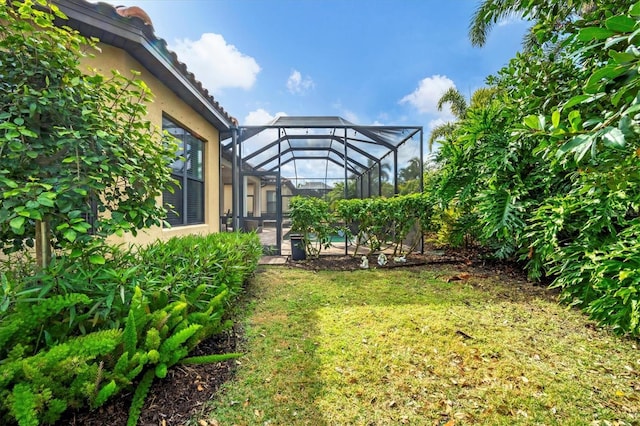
x,y
350,263
175,399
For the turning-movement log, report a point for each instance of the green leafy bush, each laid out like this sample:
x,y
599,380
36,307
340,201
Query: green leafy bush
x,y
399,221
311,218
78,333
547,172
68,138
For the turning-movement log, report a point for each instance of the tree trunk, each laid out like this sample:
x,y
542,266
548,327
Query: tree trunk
x,y
43,246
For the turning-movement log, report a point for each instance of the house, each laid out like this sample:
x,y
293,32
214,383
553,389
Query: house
x,y
260,193
316,189
181,106
269,191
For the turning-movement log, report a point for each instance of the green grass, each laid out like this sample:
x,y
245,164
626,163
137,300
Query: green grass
x,y
404,346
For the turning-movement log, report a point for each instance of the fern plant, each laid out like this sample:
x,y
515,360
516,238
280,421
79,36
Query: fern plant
x,y
47,365
39,388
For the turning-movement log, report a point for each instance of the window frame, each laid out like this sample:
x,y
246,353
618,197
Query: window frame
x,y
189,172
272,205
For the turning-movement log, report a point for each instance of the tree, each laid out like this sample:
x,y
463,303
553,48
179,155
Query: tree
x,y
555,13
459,107
78,160
550,173
337,193
411,172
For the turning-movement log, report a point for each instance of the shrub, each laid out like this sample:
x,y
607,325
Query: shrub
x,y
78,333
311,218
400,221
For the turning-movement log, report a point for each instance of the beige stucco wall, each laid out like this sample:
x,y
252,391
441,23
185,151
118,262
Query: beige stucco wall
x,y
165,101
228,199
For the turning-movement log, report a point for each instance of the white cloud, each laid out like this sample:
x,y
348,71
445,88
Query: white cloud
x,y
430,90
260,117
216,64
512,19
435,123
350,116
298,85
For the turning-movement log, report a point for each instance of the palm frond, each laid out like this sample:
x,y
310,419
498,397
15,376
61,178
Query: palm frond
x,y
441,132
456,101
489,13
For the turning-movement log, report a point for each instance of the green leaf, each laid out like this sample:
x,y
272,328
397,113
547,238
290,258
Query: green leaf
x,y
11,134
28,133
615,99
625,126
575,120
555,118
534,122
10,183
631,110
70,235
17,225
592,122
15,145
622,57
97,259
81,227
635,10
613,137
606,73
579,144
594,33
35,214
624,274
46,200
620,24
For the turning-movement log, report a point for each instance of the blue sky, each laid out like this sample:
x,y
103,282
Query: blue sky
x,y
369,61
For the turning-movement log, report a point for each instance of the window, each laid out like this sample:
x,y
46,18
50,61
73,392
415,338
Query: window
x,y
186,204
271,202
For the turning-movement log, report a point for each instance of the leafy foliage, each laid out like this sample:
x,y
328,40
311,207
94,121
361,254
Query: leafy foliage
x,y
311,218
78,334
398,222
550,174
595,136
77,153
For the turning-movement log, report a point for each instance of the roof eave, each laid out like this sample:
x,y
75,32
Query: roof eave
x,y
85,18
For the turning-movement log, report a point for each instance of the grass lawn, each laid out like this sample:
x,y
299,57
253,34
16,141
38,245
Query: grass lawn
x,y
404,346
